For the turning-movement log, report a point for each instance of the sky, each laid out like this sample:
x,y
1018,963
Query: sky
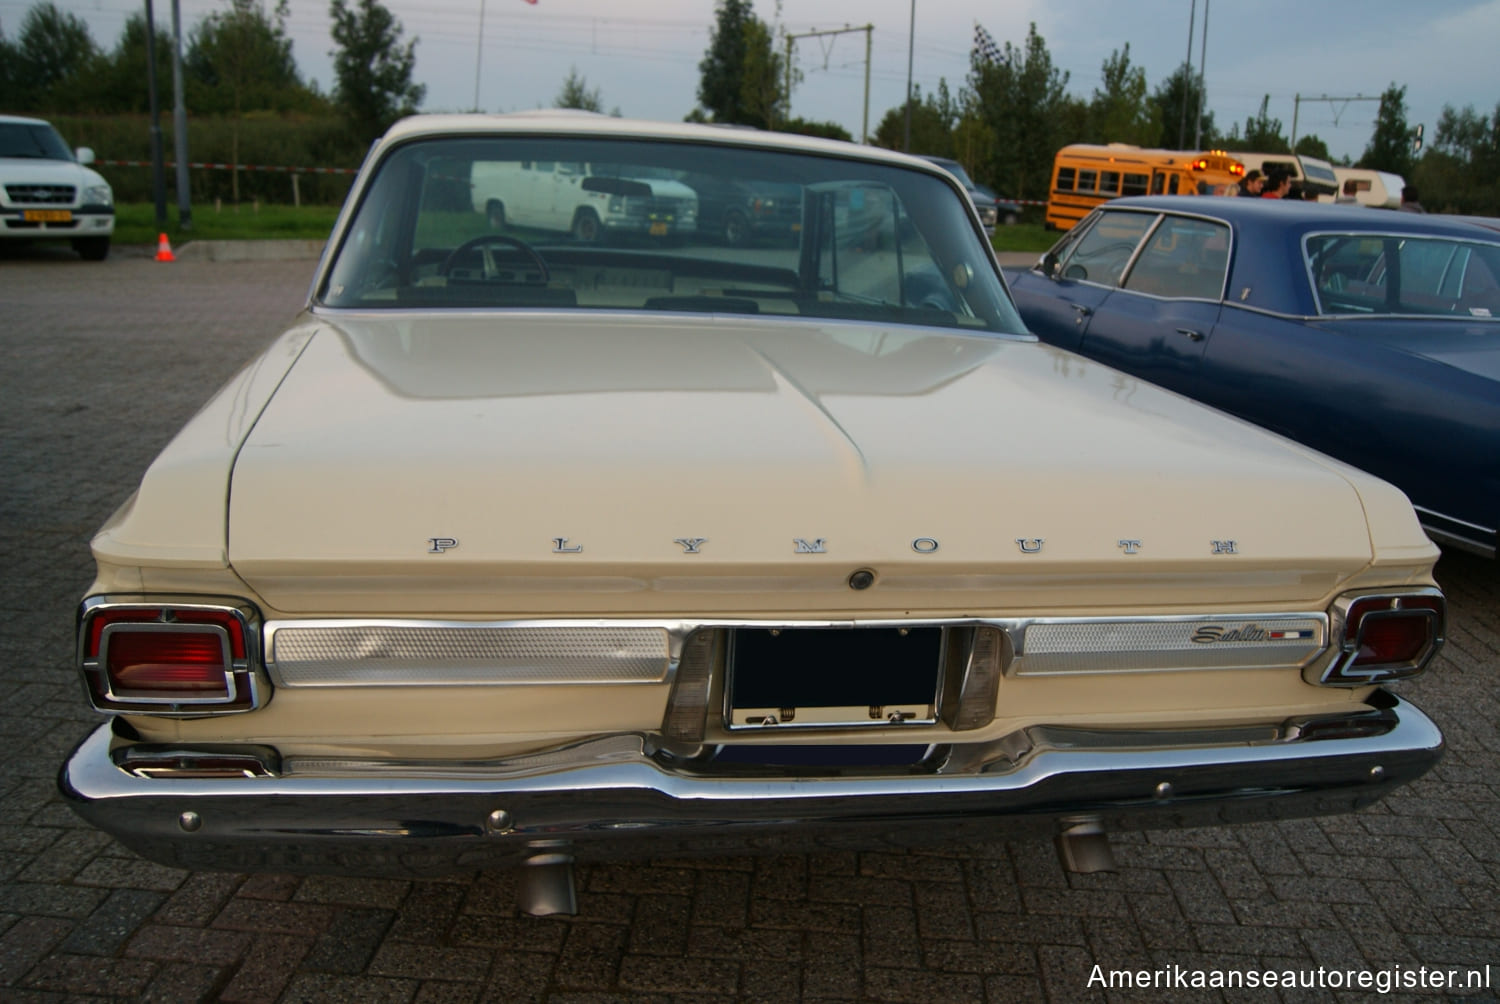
x,y
643,59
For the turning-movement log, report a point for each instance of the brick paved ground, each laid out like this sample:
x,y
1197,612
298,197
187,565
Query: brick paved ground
x,y
103,362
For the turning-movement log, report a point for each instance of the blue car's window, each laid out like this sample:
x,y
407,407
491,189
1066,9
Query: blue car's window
x,y
590,223
1396,274
1184,258
1102,254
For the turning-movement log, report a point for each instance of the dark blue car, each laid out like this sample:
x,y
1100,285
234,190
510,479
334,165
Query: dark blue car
x,y
1370,335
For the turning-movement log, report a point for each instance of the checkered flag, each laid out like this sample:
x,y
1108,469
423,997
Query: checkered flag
x,y
985,49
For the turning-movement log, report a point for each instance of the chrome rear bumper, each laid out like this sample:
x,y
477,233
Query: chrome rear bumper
x,y
616,796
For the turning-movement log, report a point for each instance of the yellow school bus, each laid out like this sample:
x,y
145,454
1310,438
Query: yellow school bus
x,y
1084,175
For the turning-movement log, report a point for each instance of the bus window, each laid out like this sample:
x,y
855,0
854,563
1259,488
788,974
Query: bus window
x,y
1065,179
1088,181
1172,185
1135,184
1109,183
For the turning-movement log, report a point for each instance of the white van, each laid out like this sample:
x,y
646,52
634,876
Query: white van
x,y
586,200
1380,189
1308,173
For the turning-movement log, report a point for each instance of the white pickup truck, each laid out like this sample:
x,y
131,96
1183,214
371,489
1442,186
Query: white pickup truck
x,y
586,200
47,192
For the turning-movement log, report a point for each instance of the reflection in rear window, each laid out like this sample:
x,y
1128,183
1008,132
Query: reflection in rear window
x,y
1393,274
485,222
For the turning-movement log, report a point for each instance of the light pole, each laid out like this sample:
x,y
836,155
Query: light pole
x,y
911,38
179,124
479,55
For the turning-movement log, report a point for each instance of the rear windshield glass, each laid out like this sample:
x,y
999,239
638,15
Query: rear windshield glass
x,y
1400,274
534,222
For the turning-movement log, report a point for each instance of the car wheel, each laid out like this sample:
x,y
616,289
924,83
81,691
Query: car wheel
x,y
494,212
92,248
736,229
586,226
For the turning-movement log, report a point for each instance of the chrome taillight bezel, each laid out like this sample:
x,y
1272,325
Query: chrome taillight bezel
x,y
1423,604
247,687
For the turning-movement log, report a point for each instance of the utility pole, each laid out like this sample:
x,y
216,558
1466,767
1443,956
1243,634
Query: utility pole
x,y
479,55
1187,79
158,177
911,40
867,29
1297,107
179,124
1202,69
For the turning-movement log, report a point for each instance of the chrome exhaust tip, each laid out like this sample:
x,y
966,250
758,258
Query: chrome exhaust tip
x,y
546,885
1083,847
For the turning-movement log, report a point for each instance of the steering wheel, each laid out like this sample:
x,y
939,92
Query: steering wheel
x,y
487,260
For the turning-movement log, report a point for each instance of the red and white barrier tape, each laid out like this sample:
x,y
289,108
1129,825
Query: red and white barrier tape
x,y
230,167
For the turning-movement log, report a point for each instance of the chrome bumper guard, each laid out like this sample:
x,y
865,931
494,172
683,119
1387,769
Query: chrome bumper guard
x,y
242,809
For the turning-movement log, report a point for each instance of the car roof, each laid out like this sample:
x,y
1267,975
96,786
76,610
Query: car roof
x,y
1282,214
22,120
1273,231
576,123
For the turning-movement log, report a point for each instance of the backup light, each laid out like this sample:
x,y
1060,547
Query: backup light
x,y
972,682
687,708
1387,636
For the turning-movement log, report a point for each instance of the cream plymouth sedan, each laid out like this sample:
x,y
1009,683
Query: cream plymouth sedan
x,y
517,548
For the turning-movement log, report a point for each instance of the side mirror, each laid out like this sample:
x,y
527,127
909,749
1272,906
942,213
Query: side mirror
x,y
84,154
1048,265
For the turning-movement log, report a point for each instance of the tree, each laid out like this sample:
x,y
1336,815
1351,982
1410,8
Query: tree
x,y
1122,111
1262,133
371,68
1390,147
762,92
827,130
1178,100
575,93
118,81
741,75
1461,171
240,60
1020,97
1312,146
50,61
933,120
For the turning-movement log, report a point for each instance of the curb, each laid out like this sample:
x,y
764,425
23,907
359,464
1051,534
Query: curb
x,y
276,250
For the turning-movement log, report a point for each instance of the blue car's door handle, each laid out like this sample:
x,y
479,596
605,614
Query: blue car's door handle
x,y
1192,336
1082,312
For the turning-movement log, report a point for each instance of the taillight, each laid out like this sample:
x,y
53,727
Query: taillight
x,y
1385,636
170,658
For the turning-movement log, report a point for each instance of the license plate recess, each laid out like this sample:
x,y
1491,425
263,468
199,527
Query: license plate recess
x,y
824,677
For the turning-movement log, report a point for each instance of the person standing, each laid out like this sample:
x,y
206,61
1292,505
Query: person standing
x,y
1278,184
1409,202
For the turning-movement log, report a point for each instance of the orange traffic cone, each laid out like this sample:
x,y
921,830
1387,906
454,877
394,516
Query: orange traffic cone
x,y
164,249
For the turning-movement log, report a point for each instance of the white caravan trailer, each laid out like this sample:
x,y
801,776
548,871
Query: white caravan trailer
x,y
1380,189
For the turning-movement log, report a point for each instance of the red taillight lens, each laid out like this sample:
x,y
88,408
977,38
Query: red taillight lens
x,y
192,658
1387,637
191,662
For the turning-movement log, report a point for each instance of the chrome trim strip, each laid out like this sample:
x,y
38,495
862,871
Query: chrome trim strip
x,y
1053,646
626,313
328,653
1182,657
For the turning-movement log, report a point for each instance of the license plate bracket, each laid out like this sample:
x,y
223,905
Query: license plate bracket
x,y
825,677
